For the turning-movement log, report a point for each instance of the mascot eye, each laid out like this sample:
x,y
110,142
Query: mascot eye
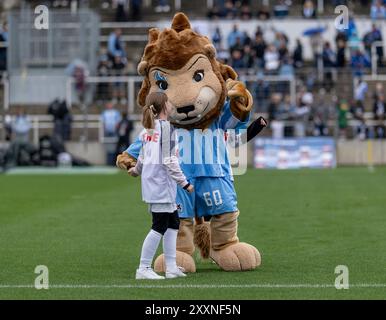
x,y
198,75
162,84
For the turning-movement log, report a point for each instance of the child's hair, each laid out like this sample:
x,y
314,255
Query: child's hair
x,y
155,104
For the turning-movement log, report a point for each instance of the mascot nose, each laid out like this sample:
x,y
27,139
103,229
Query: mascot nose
x,y
185,109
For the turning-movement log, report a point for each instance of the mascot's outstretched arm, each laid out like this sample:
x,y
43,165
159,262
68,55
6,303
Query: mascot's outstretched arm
x,y
128,158
241,100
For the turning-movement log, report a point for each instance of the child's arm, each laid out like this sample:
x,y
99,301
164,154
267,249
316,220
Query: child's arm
x,y
174,170
169,159
137,170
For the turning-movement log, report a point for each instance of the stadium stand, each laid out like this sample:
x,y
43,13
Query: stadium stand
x,y
303,73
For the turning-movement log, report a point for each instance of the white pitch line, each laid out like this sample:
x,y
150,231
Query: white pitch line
x,y
192,286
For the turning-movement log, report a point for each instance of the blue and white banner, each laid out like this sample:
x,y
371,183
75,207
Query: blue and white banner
x,y
295,153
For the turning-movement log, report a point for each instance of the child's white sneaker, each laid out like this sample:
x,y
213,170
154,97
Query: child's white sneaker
x,y
174,273
147,273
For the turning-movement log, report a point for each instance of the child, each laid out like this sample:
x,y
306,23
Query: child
x,y
160,174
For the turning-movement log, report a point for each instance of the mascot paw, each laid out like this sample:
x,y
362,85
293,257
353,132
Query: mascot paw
x,y
237,257
183,260
125,162
240,98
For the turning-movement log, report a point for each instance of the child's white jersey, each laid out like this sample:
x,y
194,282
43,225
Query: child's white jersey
x,y
158,165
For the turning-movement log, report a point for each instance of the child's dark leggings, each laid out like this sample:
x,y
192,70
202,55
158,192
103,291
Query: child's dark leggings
x,y
164,220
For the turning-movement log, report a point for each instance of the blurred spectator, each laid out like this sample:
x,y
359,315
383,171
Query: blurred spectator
x,y
378,10
118,68
245,12
286,68
379,111
230,10
21,127
371,37
246,39
358,111
215,12
341,35
273,106
120,13
341,54
135,10
358,108
259,47
162,6
125,126
360,92
263,13
78,70
302,113
248,57
237,59
277,125
271,59
3,46
280,9
320,115
8,127
329,62
217,38
342,108
309,9
262,93
286,113
378,91
238,45
234,35
359,61
110,118
115,45
62,119
298,54
104,70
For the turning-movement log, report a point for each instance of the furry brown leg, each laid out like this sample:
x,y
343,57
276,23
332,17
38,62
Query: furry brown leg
x,y
227,251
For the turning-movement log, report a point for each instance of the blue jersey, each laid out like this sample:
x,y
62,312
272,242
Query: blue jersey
x,y
203,153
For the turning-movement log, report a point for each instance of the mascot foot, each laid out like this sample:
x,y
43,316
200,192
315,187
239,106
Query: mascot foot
x,y
240,256
183,260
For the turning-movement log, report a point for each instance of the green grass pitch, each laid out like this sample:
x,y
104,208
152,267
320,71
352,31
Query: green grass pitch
x,y
88,230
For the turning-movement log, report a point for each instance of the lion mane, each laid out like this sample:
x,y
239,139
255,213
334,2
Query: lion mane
x,y
171,49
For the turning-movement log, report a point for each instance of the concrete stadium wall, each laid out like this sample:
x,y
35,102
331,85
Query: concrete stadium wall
x,y
94,152
355,152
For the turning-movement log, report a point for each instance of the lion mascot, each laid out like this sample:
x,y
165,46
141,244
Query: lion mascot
x,y
206,97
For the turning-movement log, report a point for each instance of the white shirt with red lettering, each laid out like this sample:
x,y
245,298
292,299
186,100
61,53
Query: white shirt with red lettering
x,y
159,167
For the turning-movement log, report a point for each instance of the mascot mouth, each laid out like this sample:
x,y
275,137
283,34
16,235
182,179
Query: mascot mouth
x,y
188,118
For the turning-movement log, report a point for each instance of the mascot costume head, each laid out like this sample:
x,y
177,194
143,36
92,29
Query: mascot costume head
x,y
182,64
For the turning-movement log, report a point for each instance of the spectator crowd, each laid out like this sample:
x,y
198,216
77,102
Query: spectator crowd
x,y
317,99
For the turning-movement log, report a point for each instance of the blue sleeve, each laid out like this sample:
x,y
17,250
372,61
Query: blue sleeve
x,y
111,45
135,148
229,121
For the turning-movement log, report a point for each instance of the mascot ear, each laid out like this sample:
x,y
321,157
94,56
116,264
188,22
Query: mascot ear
x,y
210,51
153,35
142,68
180,22
227,72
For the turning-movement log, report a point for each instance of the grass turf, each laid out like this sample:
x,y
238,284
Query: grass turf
x,y
89,230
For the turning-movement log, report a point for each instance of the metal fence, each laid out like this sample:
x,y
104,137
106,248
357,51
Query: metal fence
x,y
69,36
